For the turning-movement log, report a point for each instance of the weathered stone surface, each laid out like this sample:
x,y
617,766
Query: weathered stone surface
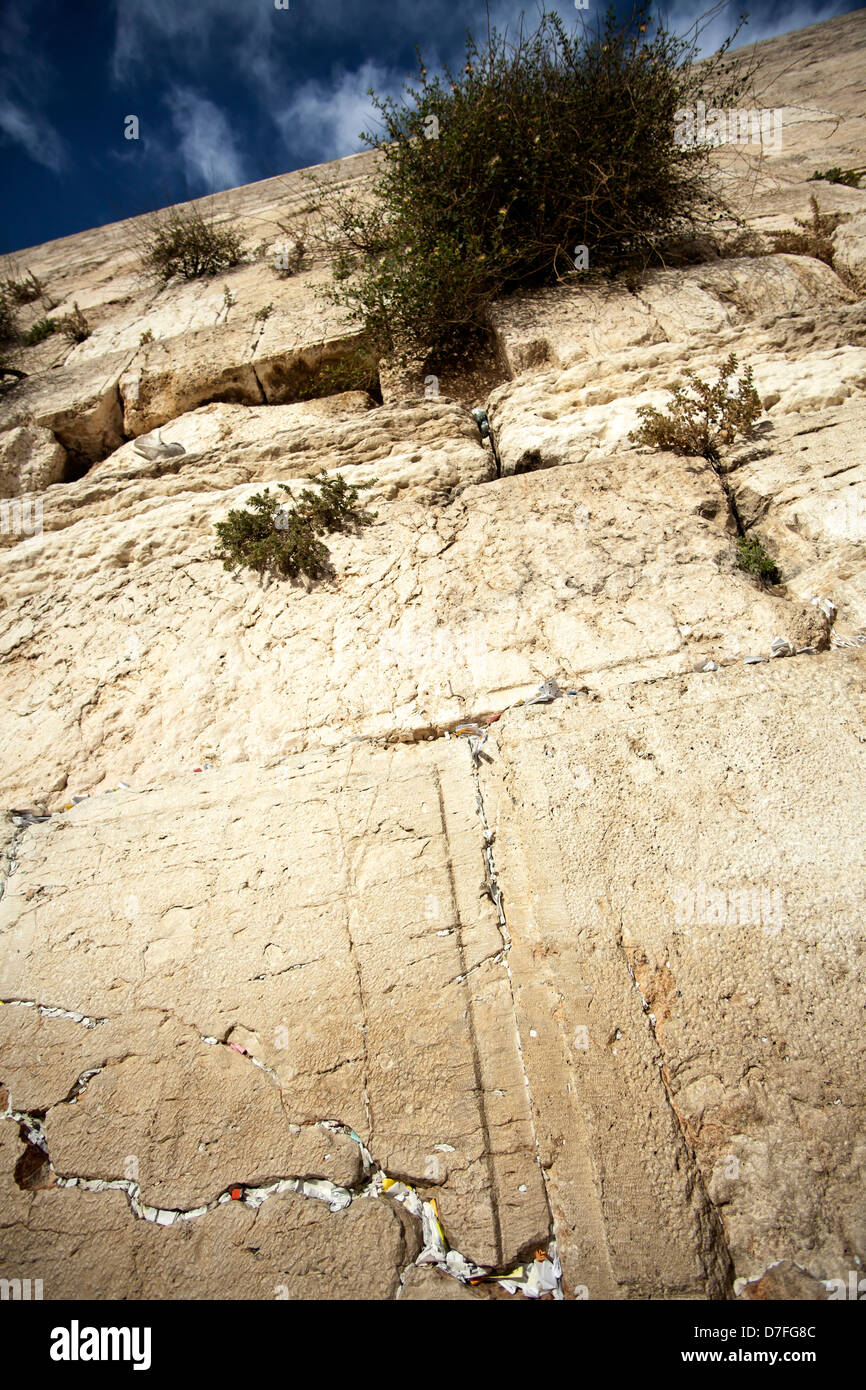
x,y
30,460
600,572
783,1282
194,1117
804,490
291,1248
88,1245
584,412
424,1283
849,241
215,367
603,986
43,1057
586,323
80,405
353,946
679,867
245,364
814,78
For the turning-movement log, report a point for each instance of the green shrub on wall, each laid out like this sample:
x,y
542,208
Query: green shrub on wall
x,y
282,538
546,154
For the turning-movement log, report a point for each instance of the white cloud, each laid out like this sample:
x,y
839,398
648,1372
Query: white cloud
x,y
322,120
207,146
319,118
186,29
28,77
37,135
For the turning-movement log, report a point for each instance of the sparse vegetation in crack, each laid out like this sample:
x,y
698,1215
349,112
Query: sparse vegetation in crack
x,y
703,416
815,237
39,331
849,177
754,559
283,539
74,325
182,243
25,289
10,330
357,370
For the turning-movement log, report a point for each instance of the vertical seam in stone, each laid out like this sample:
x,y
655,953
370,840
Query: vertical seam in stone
x,y
470,1017
506,941
9,858
353,955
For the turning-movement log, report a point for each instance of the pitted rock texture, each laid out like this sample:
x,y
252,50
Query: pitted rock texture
x,y
360,962
31,459
690,1005
596,978
606,571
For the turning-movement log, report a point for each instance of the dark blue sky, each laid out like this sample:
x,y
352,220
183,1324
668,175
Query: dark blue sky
x,y
227,91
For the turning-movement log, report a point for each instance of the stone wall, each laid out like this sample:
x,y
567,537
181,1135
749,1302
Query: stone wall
x,y
307,995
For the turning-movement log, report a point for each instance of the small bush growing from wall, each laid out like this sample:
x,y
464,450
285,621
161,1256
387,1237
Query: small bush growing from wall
x,y
849,177
282,538
39,331
494,176
182,242
814,237
24,291
74,326
10,333
702,416
754,559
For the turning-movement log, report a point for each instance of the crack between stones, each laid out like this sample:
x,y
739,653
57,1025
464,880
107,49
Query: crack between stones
x,y
476,1061
9,858
353,956
374,1185
495,893
264,400
433,731
51,1011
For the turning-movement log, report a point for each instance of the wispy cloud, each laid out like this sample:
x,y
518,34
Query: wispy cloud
x,y
178,46
185,33
323,119
206,144
27,79
34,133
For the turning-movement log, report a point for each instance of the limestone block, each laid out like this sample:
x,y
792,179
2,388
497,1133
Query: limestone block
x,y
30,460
